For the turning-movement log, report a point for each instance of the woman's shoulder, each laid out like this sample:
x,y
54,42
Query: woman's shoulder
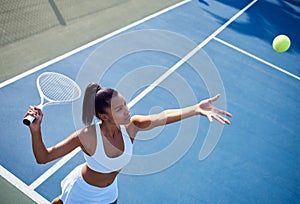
x,y
86,131
132,127
87,137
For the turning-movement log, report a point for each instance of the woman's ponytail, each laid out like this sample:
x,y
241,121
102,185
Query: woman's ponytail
x,y
96,101
88,108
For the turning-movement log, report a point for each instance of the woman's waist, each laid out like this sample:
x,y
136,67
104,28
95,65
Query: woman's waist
x,y
98,179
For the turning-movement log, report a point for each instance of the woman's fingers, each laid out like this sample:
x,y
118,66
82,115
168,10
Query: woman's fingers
x,y
219,118
216,117
215,98
209,118
34,111
222,119
214,113
30,111
219,111
39,111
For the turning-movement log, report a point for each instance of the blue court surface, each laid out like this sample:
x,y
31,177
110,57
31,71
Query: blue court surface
x,y
173,59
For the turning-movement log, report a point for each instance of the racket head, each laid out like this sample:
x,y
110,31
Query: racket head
x,y
57,88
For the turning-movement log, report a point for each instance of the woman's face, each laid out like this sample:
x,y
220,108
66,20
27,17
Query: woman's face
x,y
119,112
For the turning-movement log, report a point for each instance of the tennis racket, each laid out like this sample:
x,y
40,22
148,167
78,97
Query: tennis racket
x,y
56,89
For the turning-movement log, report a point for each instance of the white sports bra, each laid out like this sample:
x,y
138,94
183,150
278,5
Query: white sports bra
x,y
100,162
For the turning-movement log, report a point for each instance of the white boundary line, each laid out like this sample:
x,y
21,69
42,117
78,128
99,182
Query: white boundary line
x,y
257,58
42,66
22,186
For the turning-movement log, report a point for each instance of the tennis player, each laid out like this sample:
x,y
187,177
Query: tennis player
x,y
107,145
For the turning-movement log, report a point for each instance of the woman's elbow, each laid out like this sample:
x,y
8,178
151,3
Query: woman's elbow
x,y
42,159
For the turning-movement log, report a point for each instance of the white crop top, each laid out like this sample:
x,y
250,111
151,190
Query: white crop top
x,y
100,162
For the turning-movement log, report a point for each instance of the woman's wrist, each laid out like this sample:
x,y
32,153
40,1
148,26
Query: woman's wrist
x,y
35,131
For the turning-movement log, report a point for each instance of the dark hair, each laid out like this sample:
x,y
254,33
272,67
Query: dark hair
x,y
96,100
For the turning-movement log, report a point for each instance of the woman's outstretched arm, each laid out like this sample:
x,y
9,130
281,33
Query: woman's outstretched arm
x,y
204,108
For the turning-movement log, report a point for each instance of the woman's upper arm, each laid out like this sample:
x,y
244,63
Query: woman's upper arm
x,y
142,123
64,147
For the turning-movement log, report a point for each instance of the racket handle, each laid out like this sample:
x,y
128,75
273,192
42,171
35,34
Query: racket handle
x,y
28,120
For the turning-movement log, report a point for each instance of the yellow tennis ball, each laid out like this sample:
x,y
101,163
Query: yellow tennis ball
x,y
281,43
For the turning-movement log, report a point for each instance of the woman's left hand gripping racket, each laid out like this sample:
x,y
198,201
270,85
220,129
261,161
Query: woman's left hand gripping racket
x,y
56,89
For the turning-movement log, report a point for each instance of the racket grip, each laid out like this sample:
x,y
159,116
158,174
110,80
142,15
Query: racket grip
x,y
28,120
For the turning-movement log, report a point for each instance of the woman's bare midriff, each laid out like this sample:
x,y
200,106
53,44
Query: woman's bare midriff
x,y
96,178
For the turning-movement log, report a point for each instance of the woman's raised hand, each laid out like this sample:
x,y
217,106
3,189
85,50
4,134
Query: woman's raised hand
x,y
37,113
207,109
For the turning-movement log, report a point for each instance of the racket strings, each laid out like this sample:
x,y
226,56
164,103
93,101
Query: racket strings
x,y
56,87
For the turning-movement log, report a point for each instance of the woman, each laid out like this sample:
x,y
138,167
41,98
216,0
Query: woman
x,y
107,145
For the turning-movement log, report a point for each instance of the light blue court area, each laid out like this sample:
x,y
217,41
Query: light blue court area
x,y
173,59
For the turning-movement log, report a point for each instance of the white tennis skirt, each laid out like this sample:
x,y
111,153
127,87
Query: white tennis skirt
x,y
75,190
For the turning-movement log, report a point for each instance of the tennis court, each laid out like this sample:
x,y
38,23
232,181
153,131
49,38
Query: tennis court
x,y
170,55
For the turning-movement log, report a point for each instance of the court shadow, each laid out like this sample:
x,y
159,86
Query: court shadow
x,y
204,2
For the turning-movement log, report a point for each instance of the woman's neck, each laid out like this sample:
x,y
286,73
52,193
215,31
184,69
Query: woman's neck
x,y
109,129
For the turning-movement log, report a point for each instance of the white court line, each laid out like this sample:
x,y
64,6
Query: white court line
x,y
46,64
257,58
22,186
